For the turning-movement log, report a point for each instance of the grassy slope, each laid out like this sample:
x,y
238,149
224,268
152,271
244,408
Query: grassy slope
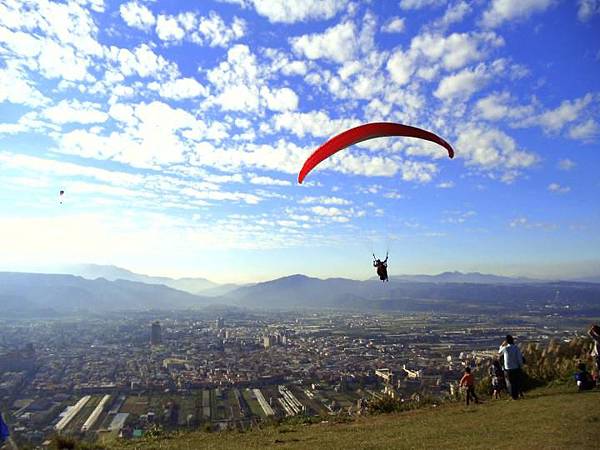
x,y
548,418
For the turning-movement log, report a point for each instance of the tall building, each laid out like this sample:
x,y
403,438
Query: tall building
x,y
219,323
269,341
156,334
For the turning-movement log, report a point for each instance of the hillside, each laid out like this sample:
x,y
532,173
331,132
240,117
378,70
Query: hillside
x,y
32,294
300,291
113,273
547,418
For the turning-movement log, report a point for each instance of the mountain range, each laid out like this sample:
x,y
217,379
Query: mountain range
x,y
33,294
197,286
47,294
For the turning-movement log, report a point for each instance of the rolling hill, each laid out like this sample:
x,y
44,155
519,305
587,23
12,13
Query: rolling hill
x,y
33,294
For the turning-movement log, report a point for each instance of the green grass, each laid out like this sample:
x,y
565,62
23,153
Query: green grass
x,y
554,418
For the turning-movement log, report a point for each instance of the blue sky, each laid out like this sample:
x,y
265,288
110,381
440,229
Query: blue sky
x,y
177,130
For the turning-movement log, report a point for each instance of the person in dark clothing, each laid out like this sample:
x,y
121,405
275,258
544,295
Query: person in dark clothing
x,y
498,381
584,380
381,267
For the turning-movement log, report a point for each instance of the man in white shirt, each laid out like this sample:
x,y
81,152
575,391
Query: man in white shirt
x,y
513,364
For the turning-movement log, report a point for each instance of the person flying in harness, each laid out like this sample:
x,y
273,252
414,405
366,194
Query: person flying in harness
x,y
381,267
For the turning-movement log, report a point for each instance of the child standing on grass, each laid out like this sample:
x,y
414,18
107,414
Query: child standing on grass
x,y
468,381
497,375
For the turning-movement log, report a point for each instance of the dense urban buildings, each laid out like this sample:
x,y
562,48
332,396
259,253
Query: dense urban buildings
x,y
93,376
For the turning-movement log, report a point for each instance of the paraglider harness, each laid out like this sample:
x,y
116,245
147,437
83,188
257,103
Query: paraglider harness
x,y
381,267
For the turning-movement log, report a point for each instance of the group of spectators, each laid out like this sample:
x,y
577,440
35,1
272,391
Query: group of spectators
x,y
508,374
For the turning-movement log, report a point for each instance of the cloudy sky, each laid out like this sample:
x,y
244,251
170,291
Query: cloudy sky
x,y
177,129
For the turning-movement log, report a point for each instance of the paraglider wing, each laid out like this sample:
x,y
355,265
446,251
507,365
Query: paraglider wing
x,y
61,192
363,133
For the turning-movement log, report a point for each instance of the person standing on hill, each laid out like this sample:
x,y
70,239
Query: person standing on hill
x,y
497,375
468,382
513,365
594,333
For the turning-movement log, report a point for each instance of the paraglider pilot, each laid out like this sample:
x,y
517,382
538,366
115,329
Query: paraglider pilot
x,y
381,267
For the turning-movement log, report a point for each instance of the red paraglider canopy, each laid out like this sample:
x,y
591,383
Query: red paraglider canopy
x,y
364,133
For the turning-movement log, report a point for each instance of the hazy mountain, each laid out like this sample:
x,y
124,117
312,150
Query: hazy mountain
x,y
590,279
221,289
38,293
460,277
299,291
112,273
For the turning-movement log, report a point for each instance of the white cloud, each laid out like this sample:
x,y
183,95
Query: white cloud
x,y
501,11
418,4
587,9
457,49
338,43
557,188
554,120
417,171
281,156
28,122
208,30
430,50
314,123
393,25
566,164
492,149
179,89
65,169
75,111
241,85
290,11
458,217
268,181
142,61
401,66
63,47
455,12
215,32
463,84
586,131
153,136
501,105
16,88
168,29
392,195
445,185
327,211
325,200
361,164
283,99
137,15
524,222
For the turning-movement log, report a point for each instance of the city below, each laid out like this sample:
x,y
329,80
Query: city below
x,y
123,375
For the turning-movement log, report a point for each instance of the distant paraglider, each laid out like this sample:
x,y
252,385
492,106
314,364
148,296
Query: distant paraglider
x,y
363,133
61,193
